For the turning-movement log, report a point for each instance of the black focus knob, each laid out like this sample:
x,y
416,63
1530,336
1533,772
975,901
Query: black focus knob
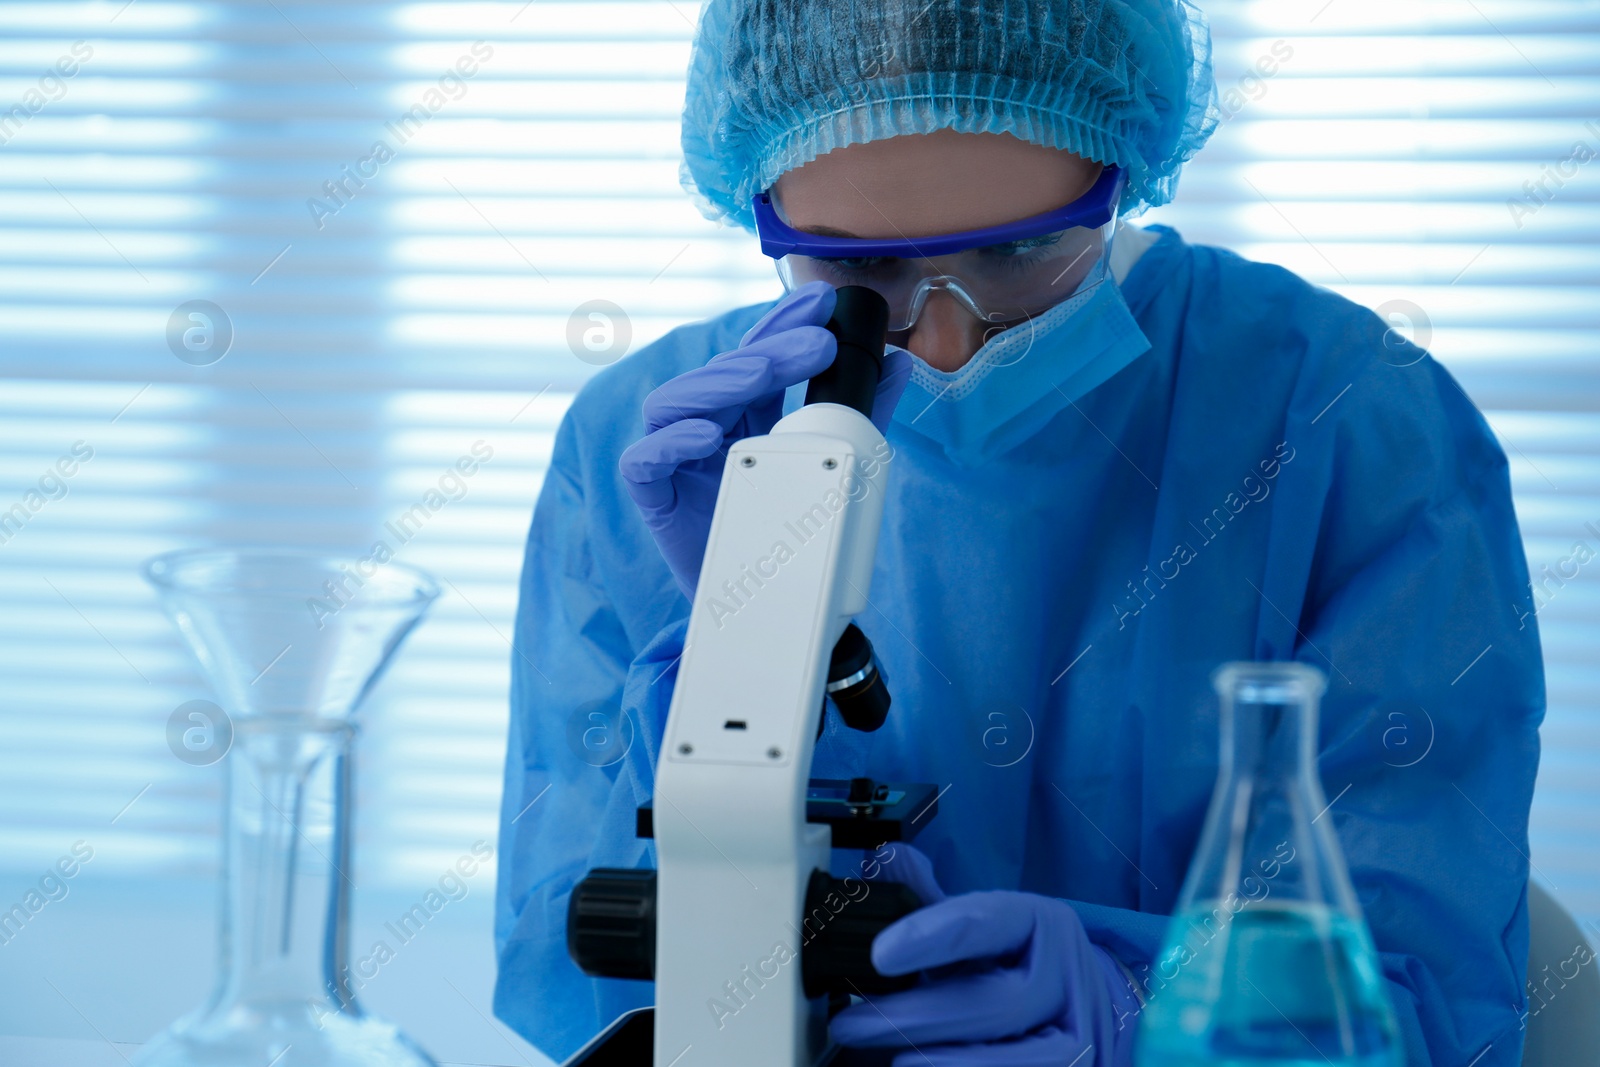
x,y
842,917
611,924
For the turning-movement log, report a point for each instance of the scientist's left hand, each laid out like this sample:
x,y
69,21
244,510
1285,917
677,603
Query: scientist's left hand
x,y
1008,979
674,473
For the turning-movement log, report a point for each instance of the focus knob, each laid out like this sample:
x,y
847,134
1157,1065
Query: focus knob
x,y
611,924
840,922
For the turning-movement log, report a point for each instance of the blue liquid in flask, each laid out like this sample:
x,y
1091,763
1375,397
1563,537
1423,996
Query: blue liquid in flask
x,y
1275,986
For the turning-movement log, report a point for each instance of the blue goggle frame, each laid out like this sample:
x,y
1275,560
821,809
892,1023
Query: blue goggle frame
x,y
1093,209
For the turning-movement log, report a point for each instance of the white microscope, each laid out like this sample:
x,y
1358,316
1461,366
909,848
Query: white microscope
x,y
748,938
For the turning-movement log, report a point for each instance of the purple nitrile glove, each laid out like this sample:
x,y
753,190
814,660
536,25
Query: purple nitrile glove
x,y
1009,979
674,471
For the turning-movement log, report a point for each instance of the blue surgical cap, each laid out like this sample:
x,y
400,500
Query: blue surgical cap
x,y
774,84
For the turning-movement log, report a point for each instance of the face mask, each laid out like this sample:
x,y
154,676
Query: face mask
x,y
1020,380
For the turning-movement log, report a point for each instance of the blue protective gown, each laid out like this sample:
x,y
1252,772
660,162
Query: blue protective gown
x,y
1267,482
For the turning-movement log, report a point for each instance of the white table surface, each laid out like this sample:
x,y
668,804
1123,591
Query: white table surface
x,y
97,973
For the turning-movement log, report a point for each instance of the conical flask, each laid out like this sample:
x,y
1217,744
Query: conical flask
x,y
292,641
1268,962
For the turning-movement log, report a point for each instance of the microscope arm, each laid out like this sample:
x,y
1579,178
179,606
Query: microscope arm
x,y
787,565
732,904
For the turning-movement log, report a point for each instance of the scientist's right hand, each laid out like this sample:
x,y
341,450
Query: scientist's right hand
x,y
1006,979
674,471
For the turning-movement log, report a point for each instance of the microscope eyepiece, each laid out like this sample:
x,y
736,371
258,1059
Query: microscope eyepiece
x,y
860,322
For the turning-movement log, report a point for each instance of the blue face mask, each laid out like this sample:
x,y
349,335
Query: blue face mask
x,y
1021,379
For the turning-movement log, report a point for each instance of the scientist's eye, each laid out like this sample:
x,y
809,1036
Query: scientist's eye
x,y
858,264
1019,249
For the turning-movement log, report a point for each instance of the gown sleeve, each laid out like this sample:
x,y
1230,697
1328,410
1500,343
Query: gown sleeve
x,y
587,713
1408,600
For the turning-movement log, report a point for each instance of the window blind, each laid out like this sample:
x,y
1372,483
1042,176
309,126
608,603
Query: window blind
x,y
396,221
394,217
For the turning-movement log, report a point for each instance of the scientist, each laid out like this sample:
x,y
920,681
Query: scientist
x,y
1116,461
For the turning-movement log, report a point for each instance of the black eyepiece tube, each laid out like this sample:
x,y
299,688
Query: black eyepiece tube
x,y
861,323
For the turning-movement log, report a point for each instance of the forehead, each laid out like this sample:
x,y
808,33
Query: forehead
x,y
926,184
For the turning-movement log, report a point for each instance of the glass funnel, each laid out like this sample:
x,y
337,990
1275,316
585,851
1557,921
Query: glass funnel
x,y
292,641
1267,961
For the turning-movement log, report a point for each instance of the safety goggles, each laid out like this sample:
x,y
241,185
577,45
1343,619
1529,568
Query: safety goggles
x,y
1001,274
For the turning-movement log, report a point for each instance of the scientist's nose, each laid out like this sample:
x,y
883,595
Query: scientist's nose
x,y
946,335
